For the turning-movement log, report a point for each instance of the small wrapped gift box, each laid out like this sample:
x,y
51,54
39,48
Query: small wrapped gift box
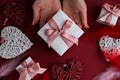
x,y
28,69
109,14
60,32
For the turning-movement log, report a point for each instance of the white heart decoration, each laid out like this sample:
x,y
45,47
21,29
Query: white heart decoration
x,y
110,47
15,42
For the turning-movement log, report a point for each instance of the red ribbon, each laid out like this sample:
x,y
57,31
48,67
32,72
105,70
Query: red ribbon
x,y
53,33
32,69
111,10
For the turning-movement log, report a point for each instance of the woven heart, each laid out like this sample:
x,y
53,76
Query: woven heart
x,y
69,71
15,42
15,12
110,47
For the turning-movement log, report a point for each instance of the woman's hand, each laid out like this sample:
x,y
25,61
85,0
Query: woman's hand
x,y
77,11
43,10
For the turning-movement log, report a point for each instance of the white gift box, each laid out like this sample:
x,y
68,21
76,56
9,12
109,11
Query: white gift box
x,y
58,44
101,18
28,60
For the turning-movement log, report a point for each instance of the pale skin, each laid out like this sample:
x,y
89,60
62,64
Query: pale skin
x,y
43,10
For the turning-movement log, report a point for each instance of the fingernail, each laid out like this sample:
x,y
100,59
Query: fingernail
x,y
87,27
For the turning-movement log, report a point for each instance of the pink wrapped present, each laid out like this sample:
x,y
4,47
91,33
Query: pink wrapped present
x,y
109,14
60,32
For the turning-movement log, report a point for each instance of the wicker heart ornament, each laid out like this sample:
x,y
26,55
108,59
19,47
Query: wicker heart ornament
x,y
15,42
110,47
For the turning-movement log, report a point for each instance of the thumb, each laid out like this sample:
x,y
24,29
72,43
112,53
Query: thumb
x,y
36,15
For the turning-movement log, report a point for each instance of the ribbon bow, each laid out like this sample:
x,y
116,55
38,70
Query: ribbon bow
x,y
31,69
112,10
53,33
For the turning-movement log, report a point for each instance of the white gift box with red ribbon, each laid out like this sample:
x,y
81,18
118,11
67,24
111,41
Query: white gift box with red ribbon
x,y
109,14
59,44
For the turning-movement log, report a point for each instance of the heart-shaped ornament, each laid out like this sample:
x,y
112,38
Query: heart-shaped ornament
x,y
110,47
69,71
14,44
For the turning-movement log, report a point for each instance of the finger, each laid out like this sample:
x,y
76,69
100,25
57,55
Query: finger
x,y
36,15
71,17
74,19
41,21
79,24
83,16
43,18
48,17
77,20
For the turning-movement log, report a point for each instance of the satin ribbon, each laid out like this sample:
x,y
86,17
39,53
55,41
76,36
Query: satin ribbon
x,y
31,69
53,33
111,10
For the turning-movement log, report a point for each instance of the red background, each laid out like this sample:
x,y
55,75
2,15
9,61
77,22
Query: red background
x,y
87,52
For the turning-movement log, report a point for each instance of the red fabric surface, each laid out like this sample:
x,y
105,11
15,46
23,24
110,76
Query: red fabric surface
x,y
87,51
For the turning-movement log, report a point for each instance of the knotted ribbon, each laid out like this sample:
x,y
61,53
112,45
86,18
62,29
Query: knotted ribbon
x,y
31,69
53,33
111,10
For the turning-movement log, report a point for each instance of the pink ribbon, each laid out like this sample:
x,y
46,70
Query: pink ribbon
x,y
112,10
32,69
53,33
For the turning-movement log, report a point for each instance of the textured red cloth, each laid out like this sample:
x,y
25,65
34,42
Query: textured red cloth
x,y
15,12
87,51
45,76
116,61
